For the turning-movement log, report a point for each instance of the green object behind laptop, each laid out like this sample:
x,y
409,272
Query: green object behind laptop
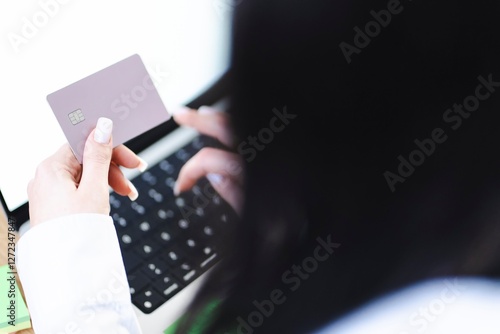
x,y
201,322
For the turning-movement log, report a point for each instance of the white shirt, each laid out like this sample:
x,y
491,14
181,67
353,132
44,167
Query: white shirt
x,y
72,274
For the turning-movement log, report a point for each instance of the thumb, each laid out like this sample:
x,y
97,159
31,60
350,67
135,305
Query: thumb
x,y
97,156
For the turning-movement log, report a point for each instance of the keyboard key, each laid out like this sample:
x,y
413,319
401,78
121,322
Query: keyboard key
x,y
125,240
115,201
185,272
165,235
197,143
173,256
155,195
192,246
131,260
170,182
167,286
183,155
167,167
163,282
145,226
148,300
119,221
139,209
216,199
183,224
155,268
171,290
207,251
208,231
209,261
189,276
137,282
180,202
165,213
149,178
147,248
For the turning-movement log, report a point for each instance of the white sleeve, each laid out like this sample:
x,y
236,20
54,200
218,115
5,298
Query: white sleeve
x,y
72,274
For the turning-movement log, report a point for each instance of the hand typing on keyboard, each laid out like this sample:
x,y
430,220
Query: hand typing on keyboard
x,y
222,167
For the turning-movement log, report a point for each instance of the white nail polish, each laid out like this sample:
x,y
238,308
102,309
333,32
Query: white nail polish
x,y
143,165
207,110
103,130
215,179
134,194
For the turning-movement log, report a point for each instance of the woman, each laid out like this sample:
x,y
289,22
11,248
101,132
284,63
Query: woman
x,y
387,155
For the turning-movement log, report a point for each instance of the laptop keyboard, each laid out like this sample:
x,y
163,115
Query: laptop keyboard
x,y
168,241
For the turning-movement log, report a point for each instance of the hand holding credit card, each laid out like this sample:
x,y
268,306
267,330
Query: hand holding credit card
x,y
123,92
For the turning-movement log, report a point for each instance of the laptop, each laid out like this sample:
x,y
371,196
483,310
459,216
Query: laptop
x,y
185,47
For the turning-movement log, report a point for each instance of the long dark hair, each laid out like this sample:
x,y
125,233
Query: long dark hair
x,y
376,157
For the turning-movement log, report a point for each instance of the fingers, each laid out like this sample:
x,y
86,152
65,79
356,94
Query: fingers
x,y
125,157
120,184
101,162
97,156
209,161
208,121
232,192
64,162
223,169
54,189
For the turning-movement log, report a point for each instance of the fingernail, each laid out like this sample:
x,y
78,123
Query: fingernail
x,y
143,165
134,194
180,110
207,110
177,190
215,179
103,130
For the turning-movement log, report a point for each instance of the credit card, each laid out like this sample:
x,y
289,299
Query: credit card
x,y
123,92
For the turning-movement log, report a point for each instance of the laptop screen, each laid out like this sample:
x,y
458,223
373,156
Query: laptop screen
x,y
49,44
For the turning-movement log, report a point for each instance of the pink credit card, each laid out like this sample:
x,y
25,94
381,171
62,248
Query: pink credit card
x,y
123,92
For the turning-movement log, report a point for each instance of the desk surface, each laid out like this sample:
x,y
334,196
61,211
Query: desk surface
x,y
3,255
